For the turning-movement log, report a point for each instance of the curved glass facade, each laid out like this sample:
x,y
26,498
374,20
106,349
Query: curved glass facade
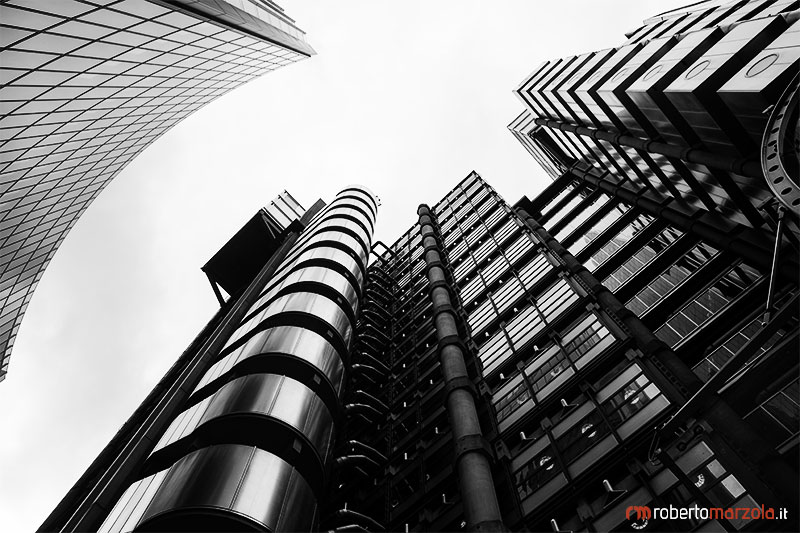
x,y
253,442
86,86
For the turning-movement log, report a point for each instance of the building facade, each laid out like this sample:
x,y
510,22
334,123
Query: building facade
x,y
522,367
618,353
85,86
675,200
698,105
588,328
239,435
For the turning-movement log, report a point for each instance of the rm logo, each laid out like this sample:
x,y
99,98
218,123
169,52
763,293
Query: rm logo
x,y
642,512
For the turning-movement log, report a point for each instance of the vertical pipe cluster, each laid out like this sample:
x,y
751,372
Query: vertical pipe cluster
x,y
476,484
251,449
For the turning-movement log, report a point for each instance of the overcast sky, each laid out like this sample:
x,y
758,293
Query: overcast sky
x,y
403,97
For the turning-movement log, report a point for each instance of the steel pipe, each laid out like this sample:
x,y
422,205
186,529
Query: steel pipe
x,y
476,484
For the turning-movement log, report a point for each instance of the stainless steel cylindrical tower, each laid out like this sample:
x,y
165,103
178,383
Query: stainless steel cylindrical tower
x,y
249,451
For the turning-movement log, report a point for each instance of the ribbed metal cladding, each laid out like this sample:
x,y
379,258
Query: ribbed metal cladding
x,y
250,449
476,484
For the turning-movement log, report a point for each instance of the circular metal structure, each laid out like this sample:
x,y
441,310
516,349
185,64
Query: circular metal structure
x,y
779,149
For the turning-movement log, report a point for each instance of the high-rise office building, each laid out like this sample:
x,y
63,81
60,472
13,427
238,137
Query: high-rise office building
x,y
567,363
239,435
675,200
473,375
698,105
85,85
587,334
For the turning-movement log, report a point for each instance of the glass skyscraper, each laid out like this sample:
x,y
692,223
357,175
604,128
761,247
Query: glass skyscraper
x,y
85,85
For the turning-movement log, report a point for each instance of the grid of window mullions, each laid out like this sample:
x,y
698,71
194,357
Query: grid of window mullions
x,y
778,415
495,216
418,266
584,433
481,316
444,212
618,240
547,209
631,398
459,201
476,206
475,236
708,302
478,198
647,253
534,271
484,250
463,268
533,474
470,237
472,289
527,325
485,206
451,237
453,196
597,229
668,280
61,125
712,362
509,294
469,222
519,247
516,395
448,225
460,212
401,247
582,436
495,269
529,322
555,300
505,231
458,251
588,207
470,190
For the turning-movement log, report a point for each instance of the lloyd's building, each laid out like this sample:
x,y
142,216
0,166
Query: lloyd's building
x,y
625,340
674,159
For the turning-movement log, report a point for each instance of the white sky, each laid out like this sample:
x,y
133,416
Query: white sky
x,y
403,97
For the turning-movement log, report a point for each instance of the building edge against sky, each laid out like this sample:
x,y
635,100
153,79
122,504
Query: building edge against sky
x,y
685,136
252,404
698,104
477,337
622,339
87,85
